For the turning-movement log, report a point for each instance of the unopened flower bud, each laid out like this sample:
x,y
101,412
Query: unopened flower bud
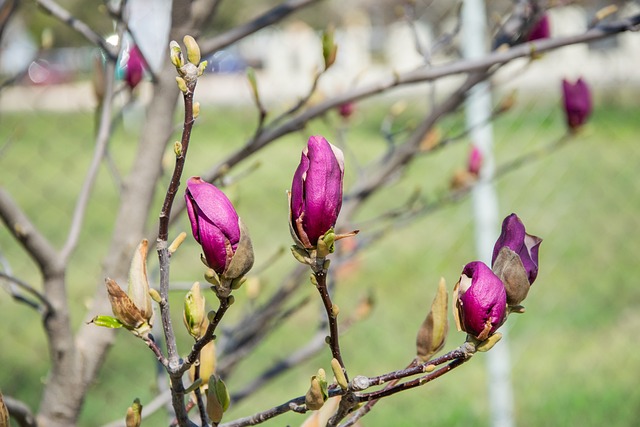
x,y
541,29
217,227
124,309
139,283
182,85
480,301
577,103
526,246
316,192
433,331
329,48
134,71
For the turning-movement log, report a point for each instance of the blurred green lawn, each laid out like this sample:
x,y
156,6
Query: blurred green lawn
x,y
574,361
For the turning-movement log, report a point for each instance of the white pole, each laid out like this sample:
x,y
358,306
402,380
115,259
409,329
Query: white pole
x,y
485,202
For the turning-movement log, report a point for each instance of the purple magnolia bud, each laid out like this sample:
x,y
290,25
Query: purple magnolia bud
x,y
475,161
316,192
135,67
480,301
577,102
347,109
216,226
525,245
540,30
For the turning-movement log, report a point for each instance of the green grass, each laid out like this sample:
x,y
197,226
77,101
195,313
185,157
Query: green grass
x,y
573,352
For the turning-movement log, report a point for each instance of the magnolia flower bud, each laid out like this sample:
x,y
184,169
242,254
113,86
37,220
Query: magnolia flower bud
x,y
217,227
135,68
480,301
475,161
433,331
316,192
540,30
577,103
515,237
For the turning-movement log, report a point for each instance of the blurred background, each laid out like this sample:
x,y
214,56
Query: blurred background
x,y
572,352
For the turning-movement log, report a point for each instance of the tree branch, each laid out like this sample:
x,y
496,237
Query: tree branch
x,y
36,245
102,140
272,16
20,412
44,308
74,23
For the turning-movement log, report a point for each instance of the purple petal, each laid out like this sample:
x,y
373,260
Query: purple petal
x,y
484,301
577,102
541,29
214,221
316,190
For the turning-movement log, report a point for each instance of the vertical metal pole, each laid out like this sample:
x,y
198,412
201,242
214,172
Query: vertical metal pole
x,y
485,202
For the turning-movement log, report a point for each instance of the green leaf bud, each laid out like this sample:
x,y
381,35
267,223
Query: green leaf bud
x,y
338,373
193,50
194,311
134,414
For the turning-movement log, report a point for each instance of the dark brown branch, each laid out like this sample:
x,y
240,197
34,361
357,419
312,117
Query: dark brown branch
x,y
332,317
376,395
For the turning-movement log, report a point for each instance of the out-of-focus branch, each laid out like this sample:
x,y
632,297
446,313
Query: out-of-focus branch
x,y
20,412
34,242
83,29
272,16
102,140
44,307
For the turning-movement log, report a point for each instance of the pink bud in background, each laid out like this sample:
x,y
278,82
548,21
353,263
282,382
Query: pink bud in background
x,y
577,102
541,29
475,161
347,109
135,68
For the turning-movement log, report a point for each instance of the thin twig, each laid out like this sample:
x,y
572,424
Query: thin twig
x,y
270,17
332,317
45,308
20,412
80,27
102,141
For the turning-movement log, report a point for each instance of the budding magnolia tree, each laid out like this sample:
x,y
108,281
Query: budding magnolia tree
x,y
482,299
321,212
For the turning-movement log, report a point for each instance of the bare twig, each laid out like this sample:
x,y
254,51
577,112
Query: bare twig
x,y
80,27
34,242
102,141
20,412
44,307
272,16
332,317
